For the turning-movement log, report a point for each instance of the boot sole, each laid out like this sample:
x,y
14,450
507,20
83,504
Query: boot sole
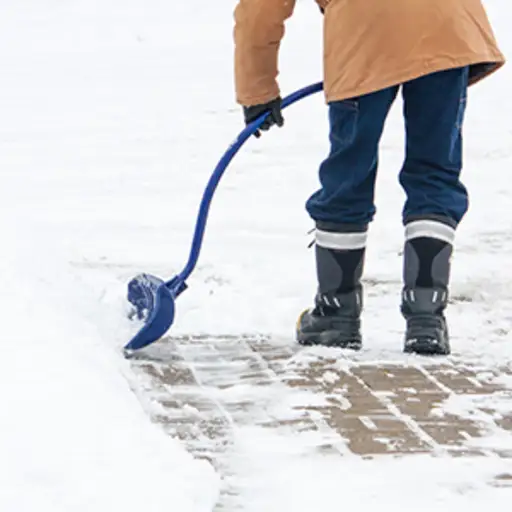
x,y
328,339
426,347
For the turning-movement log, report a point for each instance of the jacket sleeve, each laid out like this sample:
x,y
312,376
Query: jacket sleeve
x,y
259,29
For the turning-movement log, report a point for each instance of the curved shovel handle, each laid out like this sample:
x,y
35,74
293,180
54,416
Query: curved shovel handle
x,y
217,175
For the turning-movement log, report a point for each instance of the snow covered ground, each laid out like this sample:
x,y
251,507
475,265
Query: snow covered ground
x,y
113,114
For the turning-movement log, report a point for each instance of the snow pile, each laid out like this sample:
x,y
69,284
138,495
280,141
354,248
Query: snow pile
x,y
73,435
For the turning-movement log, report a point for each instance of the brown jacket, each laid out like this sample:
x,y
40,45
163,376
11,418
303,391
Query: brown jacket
x,y
368,44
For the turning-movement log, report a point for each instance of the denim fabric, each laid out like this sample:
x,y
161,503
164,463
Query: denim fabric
x,y
434,107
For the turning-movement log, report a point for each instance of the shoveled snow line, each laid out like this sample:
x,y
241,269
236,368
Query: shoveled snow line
x,y
225,413
433,379
450,392
322,426
407,420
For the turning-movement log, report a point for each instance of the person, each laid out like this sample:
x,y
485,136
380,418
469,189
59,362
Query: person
x,y
431,50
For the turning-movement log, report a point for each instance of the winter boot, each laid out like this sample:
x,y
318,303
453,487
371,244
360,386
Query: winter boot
x,y
427,255
335,319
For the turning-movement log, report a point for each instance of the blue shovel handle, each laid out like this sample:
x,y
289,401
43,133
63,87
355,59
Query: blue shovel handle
x,y
178,282
153,298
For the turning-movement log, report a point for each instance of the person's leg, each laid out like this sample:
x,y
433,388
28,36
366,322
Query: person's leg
x,y
347,175
434,108
342,210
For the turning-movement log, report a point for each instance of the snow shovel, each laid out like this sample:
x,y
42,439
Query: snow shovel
x,y
154,299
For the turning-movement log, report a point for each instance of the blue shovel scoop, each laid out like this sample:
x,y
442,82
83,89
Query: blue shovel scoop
x,y
153,299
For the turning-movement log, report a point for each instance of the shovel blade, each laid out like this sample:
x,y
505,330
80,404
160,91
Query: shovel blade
x,y
153,302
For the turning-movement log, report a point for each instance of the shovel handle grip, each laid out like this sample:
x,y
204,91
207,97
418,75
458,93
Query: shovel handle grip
x,y
215,178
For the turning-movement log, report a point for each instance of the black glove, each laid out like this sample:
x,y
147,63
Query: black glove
x,y
275,116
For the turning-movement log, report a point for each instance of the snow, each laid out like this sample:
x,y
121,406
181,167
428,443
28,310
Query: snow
x,y
420,483
73,131
113,114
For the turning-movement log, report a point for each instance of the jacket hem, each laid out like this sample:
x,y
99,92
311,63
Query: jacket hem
x,y
497,61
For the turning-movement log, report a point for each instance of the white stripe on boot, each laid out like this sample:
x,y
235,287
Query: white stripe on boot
x,y
430,229
340,241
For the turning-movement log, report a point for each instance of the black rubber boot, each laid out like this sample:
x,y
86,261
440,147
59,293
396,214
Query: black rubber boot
x,y
426,332
338,325
425,293
335,320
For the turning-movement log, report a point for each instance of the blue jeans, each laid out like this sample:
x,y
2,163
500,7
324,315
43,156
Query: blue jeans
x,y
434,108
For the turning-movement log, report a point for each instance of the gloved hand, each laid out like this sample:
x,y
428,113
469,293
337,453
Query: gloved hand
x,y
276,117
